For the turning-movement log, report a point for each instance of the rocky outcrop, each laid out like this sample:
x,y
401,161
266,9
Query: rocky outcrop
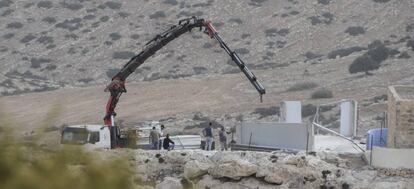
x,y
169,183
234,169
239,169
194,169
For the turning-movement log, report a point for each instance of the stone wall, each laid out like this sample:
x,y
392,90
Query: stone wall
x,y
401,117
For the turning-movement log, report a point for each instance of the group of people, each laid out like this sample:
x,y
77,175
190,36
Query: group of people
x,y
157,142
209,136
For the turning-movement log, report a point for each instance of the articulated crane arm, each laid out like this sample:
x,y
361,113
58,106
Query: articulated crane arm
x,y
117,86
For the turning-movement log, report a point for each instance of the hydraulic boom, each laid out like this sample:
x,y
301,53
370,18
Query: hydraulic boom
x,y
117,85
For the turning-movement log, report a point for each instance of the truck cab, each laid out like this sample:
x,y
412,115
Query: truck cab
x,y
90,136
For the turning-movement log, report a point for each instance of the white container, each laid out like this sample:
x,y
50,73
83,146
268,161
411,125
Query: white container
x,y
290,112
348,118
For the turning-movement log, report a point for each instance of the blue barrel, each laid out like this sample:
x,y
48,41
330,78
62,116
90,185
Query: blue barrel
x,y
377,137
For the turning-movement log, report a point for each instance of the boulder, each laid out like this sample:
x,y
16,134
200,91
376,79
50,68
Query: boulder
x,y
234,169
194,169
169,183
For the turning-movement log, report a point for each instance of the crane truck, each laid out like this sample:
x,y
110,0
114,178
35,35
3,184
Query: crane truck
x,y
109,135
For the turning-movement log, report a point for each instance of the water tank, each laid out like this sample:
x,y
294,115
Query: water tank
x,y
376,137
349,115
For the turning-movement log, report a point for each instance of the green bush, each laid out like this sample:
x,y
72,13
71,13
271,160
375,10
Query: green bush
x,y
303,86
371,60
322,93
363,64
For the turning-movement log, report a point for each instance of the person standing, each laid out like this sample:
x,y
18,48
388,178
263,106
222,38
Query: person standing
x,y
208,134
168,144
154,139
223,139
161,135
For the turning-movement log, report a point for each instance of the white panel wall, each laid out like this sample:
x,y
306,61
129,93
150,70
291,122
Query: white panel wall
x,y
275,135
391,157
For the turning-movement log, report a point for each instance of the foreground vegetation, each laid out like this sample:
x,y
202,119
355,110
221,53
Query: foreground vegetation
x,y
30,164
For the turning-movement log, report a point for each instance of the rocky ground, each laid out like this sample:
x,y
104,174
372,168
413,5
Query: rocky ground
x,y
57,56
243,169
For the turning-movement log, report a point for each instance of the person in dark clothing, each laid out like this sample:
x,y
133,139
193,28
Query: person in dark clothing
x,y
208,134
166,143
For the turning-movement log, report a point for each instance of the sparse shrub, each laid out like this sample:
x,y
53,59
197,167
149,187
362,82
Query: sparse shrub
x,y
51,46
404,55
324,2
70,24
294,12
257,3
209,2
123,14
302,86
266,112
104,18
51,67
325,18
410,43
71,36
29,37
363,64
14,25
393,52
49,20
199,70
3,49
123,55
245,35
91,10
283,32
5,3
115,36
89,17
308,110
134,36
157,15
355,30
315,20
73,6
170,2
381,1
207,45
113,5
86,80
271,32
45,40
8,35
45,4
242,51
236,20
378,51
310,55
7,12
322,93
37,62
